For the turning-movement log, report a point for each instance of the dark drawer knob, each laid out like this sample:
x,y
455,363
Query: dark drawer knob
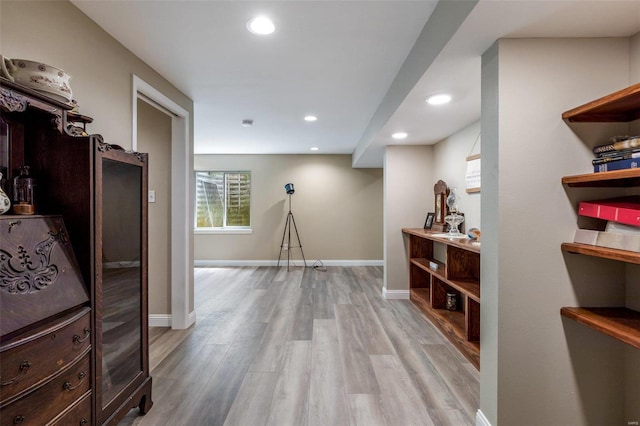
x,y
18,420
67,385
24,366
84,421
80,339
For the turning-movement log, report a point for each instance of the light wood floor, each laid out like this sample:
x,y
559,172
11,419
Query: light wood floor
x,y
306,347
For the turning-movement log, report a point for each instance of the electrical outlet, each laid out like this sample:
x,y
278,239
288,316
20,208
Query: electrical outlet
x,y
152,196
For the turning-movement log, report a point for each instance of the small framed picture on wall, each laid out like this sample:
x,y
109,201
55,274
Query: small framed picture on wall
x,y
428,223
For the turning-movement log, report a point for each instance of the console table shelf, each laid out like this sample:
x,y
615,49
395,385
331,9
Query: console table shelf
x,y
620,323
458,275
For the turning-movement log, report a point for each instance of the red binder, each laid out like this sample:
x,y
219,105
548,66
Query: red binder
x,y
623,210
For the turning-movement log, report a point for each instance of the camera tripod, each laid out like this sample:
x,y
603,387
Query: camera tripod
x,y
287,233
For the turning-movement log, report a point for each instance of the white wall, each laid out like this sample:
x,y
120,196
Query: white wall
x,y
543,369
450,165
408,196
337,209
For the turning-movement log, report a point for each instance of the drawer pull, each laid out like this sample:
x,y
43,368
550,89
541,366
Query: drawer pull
x,y
79,339
24,367
84,421
18,420
67,384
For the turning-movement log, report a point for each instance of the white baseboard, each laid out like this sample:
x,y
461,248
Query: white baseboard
x,y
283,263
394,294
159,320
191,319
164,320
481,420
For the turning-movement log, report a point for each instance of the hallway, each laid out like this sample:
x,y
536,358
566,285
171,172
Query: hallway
x,y
305,347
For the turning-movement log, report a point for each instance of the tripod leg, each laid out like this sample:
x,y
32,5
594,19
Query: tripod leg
x,y
286,226
289,217
298,237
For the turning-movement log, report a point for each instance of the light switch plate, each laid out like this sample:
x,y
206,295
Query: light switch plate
x,y
152,196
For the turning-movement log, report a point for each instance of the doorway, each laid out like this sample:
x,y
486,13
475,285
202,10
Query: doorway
x,y
181,210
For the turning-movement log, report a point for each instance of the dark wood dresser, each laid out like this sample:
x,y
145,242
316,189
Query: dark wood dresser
x,y
45,324
73,277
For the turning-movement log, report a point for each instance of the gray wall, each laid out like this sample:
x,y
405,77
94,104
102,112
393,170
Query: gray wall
x,y
57,33
450,165
154,138
537,367
408,196
632,373
410,174
337,209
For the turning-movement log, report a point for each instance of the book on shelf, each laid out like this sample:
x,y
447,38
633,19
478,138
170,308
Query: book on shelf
x,y
619,145
627,163
621,228
619,155
615,240
623,210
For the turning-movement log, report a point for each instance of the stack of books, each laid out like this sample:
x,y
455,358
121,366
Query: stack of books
x,y
623,227
622,152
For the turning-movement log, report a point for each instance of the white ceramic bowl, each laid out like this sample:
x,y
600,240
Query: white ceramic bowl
x,y
44,78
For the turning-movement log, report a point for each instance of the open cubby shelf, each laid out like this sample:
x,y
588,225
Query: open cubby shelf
x,y
622,106
614,178
459,274
620,323
603,252
618,107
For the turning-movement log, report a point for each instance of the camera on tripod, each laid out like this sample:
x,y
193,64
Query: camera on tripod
x,y
287,231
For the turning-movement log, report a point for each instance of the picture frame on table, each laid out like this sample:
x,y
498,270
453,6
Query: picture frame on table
x,y
428,223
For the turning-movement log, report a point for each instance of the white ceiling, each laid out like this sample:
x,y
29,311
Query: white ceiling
x,y
363,67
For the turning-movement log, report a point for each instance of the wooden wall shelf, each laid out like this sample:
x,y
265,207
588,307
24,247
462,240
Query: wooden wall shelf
x,y
459,274
621,107
603,252
616,178
620,323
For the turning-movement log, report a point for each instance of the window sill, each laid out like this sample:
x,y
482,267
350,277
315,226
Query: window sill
x,y
226,231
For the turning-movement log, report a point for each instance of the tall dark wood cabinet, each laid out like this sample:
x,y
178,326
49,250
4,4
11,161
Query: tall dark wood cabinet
x,y
73,277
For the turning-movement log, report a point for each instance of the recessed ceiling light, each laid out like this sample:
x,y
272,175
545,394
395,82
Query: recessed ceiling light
x,y
399,135
310,118
439,99
314,148
261,25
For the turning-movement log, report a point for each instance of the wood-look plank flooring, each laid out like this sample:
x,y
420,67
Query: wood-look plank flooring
x,y
305,347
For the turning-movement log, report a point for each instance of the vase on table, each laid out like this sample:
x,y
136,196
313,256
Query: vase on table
x,y
453,219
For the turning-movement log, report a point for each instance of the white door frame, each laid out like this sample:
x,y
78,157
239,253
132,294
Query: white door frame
x,y
181,208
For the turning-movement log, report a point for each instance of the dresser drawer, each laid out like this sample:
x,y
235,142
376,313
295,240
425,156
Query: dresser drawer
x,y
33,360
77,415
47,402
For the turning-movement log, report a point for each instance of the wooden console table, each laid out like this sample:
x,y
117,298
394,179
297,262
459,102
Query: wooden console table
x,y
430,281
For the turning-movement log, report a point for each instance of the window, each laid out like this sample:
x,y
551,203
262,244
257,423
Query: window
x,y
223,200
